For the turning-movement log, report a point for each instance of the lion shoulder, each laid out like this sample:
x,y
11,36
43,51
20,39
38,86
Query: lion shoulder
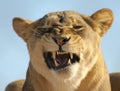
x,y
15,86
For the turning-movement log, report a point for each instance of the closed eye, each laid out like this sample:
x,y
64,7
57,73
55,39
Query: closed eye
x,y
43,30
78,28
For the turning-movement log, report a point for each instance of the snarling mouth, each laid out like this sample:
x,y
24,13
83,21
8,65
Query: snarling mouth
x,y
59,60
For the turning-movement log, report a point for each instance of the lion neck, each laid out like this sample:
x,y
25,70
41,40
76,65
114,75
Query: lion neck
x,y
97,79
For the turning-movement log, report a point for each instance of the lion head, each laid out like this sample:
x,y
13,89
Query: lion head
x,y
64,45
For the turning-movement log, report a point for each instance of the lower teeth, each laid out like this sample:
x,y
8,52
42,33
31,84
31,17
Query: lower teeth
x,y
69,62
71,55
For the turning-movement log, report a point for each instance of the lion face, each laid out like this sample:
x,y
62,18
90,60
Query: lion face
x,y
64,45
62,40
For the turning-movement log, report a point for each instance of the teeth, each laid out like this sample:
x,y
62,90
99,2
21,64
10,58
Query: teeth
x,y
60,53
57,52
56,64
69,62
71,55
54,55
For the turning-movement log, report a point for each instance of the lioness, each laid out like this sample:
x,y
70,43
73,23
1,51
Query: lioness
x,y
65,52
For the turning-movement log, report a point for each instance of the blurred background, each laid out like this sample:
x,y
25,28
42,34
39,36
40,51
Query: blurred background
x,y
14,56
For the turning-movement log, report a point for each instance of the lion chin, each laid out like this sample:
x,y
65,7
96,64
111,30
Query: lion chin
x,y
65,53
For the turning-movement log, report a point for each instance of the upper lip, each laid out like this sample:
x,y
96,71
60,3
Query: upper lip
x,y
59,60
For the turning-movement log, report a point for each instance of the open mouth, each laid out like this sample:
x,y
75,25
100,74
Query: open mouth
x,y
60,60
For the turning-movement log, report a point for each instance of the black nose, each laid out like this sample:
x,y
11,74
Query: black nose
x,y
61,40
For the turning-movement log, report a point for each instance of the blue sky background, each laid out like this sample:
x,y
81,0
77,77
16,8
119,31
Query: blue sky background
x,y
14,56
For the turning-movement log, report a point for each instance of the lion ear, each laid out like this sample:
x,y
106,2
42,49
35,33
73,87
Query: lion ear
x,y
104,18
23,28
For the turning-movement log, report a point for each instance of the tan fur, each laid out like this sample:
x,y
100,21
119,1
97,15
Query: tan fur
x,y
84,32
15,86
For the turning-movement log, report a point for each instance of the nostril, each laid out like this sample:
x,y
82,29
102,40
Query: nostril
x,y
66,40
60,40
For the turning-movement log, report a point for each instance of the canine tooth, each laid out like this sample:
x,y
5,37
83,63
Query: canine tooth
x,y
54,55
69,62
57,52
56,64
71,55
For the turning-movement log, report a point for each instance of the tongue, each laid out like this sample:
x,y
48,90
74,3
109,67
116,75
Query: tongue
x,y
62,59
